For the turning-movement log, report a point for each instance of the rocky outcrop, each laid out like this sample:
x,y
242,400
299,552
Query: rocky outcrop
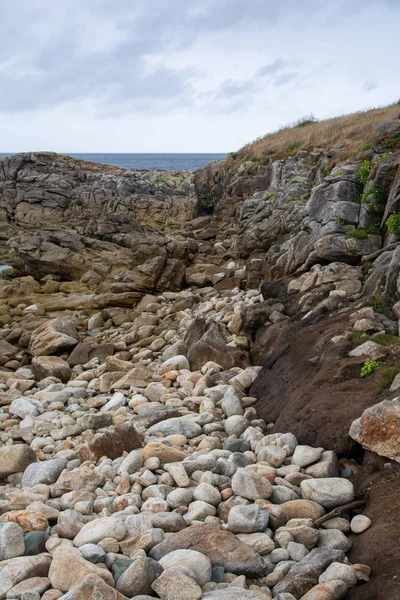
x,y
44,187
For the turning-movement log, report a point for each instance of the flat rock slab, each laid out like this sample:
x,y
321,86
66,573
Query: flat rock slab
x,y
221,547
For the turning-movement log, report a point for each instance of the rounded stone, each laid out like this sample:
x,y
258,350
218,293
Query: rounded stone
x,y
198,563
360,523
207,493
99,529
329,492
250,485
306,455
340,571
11,541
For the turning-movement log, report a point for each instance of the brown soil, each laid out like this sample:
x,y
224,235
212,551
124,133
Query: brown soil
x,y
379,546
311,387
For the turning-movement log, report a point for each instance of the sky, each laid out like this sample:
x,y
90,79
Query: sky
x,y
185,76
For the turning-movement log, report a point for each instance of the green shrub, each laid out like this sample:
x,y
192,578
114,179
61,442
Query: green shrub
x,y
306,120
358,234
378,193
232,155
270,196
364,171
369,367
385,156
377,303
393,224
366,147
383,339
386,376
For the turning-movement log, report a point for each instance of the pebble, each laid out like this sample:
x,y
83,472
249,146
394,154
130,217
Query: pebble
x,y
360,523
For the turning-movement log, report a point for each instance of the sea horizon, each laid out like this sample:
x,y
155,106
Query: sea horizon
x,y
168,161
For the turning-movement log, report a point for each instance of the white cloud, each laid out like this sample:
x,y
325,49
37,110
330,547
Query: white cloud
x,y
177,76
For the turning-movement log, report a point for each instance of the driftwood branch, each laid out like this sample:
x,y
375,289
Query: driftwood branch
x,y
336,512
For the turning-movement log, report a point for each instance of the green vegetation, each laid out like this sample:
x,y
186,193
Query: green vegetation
x,y
301,201
393,224
358,234
270,196
306,120
383,339
364,171
326,170
385,156
232,155
369,367
377,303
366,147
379,194
362,234
386,376
160,181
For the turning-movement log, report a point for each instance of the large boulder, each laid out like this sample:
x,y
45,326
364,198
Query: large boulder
x,y
222,548
112,443
15,459
14,570
54,336
51,366
68,569
207,341
378,429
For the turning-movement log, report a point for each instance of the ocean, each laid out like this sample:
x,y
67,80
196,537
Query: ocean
x,y
168,162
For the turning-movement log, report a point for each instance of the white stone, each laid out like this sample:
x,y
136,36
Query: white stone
x,y
198,563
329,492
360,523
306,455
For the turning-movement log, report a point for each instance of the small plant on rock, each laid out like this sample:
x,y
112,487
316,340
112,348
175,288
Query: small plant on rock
x,y
358,234
393,224
364,171
377,303
369,367
270,196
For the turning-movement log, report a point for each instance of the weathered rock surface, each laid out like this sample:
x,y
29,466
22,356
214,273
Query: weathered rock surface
x,y
221,547
15,459
378,429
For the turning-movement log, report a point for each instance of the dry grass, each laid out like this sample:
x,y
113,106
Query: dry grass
x,y
357,129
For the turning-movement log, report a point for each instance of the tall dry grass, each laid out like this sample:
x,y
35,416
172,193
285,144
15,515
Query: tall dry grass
x,y
356,129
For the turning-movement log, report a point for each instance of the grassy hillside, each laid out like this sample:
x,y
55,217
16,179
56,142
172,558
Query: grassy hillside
x,y
356,129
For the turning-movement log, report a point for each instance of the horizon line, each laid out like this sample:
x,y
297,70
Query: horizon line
x,y
69,152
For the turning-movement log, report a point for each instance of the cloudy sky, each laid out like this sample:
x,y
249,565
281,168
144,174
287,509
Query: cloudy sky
x,y
183,75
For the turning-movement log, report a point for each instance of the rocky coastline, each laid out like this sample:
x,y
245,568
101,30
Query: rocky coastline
x,y
199,378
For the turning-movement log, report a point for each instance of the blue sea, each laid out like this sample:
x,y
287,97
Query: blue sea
x,y
168,162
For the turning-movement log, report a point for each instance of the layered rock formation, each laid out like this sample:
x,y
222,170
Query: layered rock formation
x,y
194,369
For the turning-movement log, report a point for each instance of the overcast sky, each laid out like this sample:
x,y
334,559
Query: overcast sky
x,y
183,75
